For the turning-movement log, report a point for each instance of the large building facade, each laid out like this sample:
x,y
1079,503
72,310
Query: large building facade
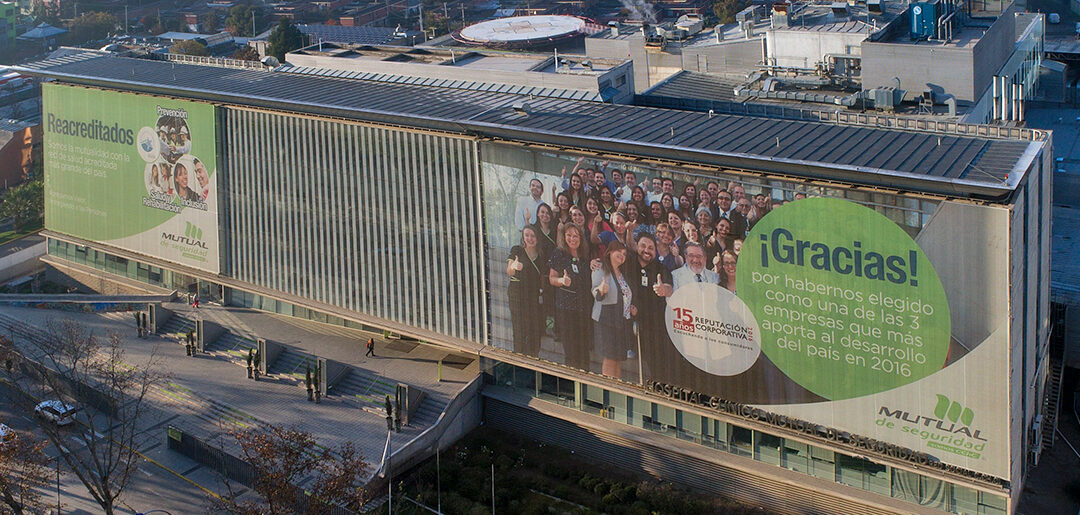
x,y
877,342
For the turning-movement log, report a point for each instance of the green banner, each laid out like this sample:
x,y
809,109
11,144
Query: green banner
x,y
134,171
845,309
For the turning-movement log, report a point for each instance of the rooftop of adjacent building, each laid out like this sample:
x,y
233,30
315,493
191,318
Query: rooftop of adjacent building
x,y
517,73
692,87
478,60
950,159
841,17
804,17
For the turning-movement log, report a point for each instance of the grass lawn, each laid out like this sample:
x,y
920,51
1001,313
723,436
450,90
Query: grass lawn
x,y
8,236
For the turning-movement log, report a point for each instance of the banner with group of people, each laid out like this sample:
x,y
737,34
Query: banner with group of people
x,y
768,292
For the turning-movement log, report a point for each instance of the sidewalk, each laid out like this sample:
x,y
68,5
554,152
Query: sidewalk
x,y
211,389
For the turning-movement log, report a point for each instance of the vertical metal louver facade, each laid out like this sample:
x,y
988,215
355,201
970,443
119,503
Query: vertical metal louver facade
x,y
382,222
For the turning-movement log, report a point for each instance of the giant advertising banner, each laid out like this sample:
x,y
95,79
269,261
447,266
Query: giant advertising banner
x,y
876,320
135,171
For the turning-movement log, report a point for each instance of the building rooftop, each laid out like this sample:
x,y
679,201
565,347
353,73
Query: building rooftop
x,y
974,161
696,85
362,35
518,73
853,19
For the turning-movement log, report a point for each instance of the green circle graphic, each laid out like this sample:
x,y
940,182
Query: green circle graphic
x,y
847,303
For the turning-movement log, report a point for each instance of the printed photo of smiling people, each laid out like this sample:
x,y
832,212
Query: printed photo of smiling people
x,y
174,178
586,252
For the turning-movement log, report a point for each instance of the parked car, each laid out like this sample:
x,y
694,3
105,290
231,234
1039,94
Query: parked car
x,y
7,435
56,412
1054,18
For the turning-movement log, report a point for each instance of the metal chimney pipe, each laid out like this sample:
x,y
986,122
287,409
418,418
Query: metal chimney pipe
x,y
1004,99
1020,103
1016,102
997,99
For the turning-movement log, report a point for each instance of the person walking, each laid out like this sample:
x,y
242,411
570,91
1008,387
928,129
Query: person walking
x,y
195,301
138,324
370,347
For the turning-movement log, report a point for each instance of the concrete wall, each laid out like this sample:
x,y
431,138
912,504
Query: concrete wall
x,y
462,415
24,262
632,47
804,49
734,56
656,65
945,69
993,50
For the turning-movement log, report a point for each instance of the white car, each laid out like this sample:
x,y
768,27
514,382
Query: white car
x,y
7,435
56,412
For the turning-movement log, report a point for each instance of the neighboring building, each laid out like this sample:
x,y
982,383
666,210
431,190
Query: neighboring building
x,y
344,34
9,14
885,349
44,34
963,65
353,35
20,147
599,80
866,55
212,41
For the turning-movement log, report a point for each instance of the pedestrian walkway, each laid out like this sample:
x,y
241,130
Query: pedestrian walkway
x,y
216,396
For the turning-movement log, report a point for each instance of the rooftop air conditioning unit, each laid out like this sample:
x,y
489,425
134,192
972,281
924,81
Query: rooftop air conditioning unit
x,y
875,6
839,9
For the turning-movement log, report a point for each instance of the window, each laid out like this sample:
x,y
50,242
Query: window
x,y
767,447
638,411
620,81
741,441
525,379
863,474
715,434
796,456
592,399
557,389
690,426
664,416
935,493
764,447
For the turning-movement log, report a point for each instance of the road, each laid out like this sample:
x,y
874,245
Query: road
x,y
155,485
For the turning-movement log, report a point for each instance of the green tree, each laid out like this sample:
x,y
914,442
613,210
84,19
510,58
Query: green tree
x,y
726,10
285,38
246,53
189,47
210,22
24,203
239,21
92,26
42,13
